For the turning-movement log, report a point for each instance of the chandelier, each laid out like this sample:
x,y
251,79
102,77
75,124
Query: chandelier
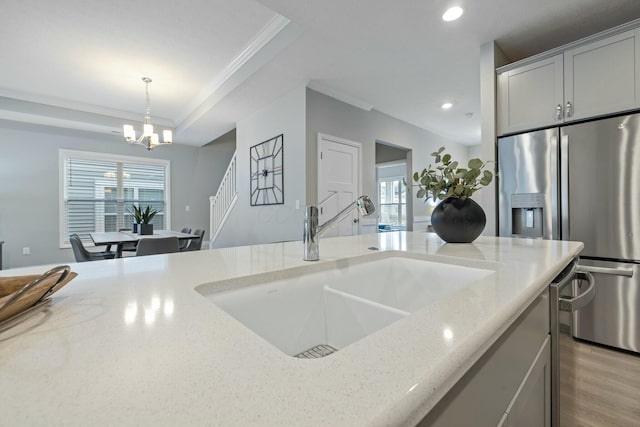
x,y
148,139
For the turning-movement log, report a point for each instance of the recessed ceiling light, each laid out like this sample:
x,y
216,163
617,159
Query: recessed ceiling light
x,y
446,105
452,13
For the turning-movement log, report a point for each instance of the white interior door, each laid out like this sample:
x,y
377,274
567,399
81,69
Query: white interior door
x,y
338,182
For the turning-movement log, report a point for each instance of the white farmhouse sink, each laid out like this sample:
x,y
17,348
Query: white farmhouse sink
x,y
341,305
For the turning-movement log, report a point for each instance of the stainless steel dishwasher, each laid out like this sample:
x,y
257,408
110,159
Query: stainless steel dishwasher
x,y
573,289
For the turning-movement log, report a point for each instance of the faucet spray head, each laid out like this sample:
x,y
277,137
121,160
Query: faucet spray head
x,y
365,206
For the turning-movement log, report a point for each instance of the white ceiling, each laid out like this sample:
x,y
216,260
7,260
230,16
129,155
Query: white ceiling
x,y
215,62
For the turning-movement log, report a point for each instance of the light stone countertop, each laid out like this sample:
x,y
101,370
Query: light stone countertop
x,y
130,342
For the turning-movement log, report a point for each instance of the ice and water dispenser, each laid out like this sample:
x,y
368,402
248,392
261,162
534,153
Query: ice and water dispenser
x,y
528,185
527,214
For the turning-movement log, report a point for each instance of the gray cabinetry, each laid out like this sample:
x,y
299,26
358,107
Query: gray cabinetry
x,y
600,77
510,384
531,96
586,80
531,406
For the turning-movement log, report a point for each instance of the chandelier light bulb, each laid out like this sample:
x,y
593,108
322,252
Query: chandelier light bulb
x,y
167,136
129,133
148,130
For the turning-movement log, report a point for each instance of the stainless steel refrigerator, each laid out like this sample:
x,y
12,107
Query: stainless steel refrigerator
x,y
582,182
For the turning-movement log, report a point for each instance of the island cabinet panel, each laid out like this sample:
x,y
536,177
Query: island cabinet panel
x,y
531,406
510,382
586,80
531,96
600,77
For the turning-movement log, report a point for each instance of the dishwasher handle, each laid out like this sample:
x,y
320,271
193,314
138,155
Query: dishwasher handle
x,y
604,270
565,277
577,302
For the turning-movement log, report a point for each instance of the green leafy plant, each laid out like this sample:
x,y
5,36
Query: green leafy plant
x,y
136,212
446,179
142,216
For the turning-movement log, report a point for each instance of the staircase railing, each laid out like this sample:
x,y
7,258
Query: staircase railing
x,y
223,202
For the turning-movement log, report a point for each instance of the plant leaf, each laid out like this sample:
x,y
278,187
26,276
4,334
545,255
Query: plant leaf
x,y
475,164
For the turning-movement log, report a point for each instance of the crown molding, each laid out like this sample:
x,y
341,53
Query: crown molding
x,y
37,119
79,106
340,96
212,92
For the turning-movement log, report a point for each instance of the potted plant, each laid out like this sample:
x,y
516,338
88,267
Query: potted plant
x,y
457,218
143,219
136,212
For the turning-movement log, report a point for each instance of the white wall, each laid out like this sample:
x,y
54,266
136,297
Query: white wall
x,y
29,185
330,116
475,151
265,224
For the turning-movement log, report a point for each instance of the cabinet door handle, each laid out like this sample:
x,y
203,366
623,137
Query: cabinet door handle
x,y
569,109
558,112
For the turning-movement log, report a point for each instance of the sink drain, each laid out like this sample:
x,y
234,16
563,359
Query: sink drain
x,y
316,352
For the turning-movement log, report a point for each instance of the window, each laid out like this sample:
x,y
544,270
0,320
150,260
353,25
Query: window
x,y
393,202
98,190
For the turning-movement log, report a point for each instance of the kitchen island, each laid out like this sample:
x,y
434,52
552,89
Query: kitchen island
x,y
131,342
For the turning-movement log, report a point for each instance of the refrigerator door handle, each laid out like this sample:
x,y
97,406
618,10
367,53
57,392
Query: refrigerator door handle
x,y
603,270
575,303
564,187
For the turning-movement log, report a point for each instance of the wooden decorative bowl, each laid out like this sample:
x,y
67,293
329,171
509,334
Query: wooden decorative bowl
x,y
19,293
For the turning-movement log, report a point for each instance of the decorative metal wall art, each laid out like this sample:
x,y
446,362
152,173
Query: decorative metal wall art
x,y
267,172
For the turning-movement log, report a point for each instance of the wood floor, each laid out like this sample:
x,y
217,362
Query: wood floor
x,y
599,387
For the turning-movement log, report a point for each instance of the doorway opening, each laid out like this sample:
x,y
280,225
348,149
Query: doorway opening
x,y
394,198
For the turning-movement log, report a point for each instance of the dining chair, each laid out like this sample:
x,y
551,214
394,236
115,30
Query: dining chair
x,y
82,254
195,244
184,243
163,245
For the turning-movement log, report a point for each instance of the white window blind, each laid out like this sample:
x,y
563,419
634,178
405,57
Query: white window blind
x,y
99,190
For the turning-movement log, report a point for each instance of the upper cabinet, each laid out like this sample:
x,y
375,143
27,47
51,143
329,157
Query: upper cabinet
x,y
587,80
530,96
601,77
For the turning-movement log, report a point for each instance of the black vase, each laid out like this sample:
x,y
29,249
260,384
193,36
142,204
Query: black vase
x,y
134,227
458,220
145,229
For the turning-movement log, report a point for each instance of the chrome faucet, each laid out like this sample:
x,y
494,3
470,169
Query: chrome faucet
x,y
313,231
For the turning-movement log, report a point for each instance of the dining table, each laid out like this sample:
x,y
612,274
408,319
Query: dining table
x,y
119,238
